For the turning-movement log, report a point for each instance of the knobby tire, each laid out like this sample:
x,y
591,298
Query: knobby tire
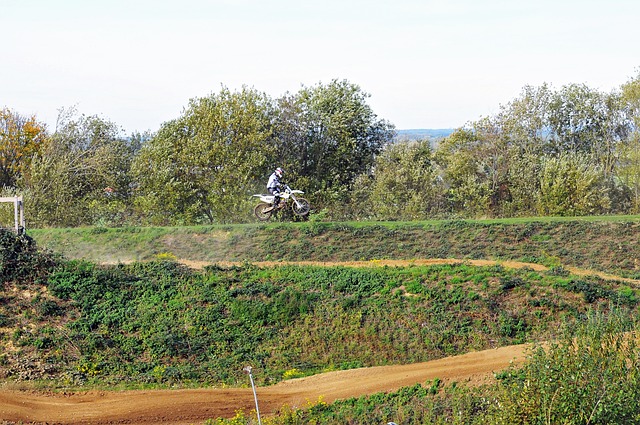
x,y
303,209
260,212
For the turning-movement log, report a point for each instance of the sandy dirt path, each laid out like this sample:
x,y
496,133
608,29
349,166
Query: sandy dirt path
x,y
177,407
419,262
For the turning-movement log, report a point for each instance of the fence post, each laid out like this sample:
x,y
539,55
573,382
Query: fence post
x,y
247,370
18,212
23,225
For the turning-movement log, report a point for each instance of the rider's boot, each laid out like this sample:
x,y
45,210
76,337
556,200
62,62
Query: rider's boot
x,y
276,204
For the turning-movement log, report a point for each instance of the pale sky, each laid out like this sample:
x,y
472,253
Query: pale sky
x,y
425,63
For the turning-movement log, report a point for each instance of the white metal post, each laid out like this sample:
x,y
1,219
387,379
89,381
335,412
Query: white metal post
x,y
18,211
22,220
247,370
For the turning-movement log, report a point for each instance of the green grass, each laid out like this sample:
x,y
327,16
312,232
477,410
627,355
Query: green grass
x,y
605,244
586,377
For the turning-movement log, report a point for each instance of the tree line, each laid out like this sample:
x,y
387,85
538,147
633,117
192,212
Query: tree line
x,y
569,151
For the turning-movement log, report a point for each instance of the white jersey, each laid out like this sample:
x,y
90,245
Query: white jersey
x,y
274,181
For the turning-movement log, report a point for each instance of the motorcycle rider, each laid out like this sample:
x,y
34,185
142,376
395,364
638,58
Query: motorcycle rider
x,y
274,185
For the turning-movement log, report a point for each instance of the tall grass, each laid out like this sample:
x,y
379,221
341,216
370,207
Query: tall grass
x,y
590,376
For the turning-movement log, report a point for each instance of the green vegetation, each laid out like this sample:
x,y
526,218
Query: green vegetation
x,y
162,323
73,323
77,322
571,151
20,259
590,375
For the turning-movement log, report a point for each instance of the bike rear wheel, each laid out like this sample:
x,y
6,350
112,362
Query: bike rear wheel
x,y
301,207
260,212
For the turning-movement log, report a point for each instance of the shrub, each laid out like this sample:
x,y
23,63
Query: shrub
x,y
590,376
21,259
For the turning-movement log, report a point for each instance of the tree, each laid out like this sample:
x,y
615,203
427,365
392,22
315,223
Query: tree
x,y
586,121
329,135
572,185
525,120
631,97
524,184
475,163
405,183
490,166
463,175
21,138
629,166
289,133
82,176
495,166
203,166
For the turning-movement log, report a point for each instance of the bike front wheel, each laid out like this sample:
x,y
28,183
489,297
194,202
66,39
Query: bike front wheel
x,y
301,207
263,211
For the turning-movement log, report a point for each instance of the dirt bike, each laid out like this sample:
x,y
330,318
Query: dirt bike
x,y
265,209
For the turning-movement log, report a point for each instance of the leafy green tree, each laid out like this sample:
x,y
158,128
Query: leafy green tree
x,y
572,185
476,168
463,174
525,120
491,167
328,136
83,169
405,183
631,97
21,138
511,143
203,166
586,121
524,184
495,166
629,166
290,139
628,171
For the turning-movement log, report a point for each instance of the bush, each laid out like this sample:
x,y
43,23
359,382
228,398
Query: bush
x,y
590,376
21,259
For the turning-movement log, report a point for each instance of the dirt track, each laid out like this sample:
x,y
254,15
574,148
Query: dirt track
x,y
196,406
422,262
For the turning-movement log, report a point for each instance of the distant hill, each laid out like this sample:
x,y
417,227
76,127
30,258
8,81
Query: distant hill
x,y
423,133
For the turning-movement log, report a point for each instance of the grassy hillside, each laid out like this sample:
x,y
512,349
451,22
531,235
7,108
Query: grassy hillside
x,y
159,322
149,321
601,243
68,323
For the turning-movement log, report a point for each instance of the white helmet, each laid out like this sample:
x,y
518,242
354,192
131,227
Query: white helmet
x,y
279,172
